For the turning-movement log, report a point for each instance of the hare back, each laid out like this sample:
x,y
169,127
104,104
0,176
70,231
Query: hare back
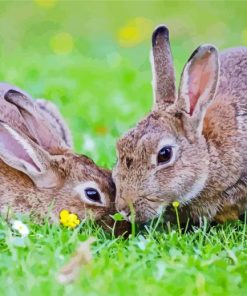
x,y
233,73
226,119
225,129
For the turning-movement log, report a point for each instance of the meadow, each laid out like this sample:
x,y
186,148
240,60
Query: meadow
x,y
92,59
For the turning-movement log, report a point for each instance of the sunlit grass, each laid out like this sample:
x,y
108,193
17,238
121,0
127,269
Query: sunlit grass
x,y
205,261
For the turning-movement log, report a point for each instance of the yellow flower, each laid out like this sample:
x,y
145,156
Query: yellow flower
x,y
134,32
68,219
62,43
45,3
175,204
64,214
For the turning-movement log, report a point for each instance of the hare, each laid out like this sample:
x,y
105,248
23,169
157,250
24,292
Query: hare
x,y
39,174
192,147
52,114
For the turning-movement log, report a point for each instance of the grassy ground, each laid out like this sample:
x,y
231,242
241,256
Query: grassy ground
x,y
92,59
205,261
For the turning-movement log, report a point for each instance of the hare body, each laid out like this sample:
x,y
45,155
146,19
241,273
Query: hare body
x,y
39,173
225,130
19,194
192,147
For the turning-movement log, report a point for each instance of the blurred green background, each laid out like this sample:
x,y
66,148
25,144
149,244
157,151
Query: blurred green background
x,y
92,57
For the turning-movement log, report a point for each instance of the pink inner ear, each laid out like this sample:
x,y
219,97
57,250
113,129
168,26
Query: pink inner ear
x,y
13,149
199,77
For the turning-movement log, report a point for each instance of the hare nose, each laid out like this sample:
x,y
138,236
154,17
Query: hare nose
x,y
123,209
126,215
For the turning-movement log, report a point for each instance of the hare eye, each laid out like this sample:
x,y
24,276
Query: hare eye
x,y
93,195
165,155
90,194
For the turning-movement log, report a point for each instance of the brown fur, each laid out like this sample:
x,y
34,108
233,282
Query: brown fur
x,y
52,114
39,119
213,156
19,193
53,189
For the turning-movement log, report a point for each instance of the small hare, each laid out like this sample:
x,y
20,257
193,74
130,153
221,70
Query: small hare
x,y
192,147
39,173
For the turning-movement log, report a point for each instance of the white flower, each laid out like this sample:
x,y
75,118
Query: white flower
x,y
21,228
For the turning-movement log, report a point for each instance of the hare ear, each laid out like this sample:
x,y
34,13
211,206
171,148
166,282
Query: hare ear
x,y
39,127
163,72
20,153
53,115
198,86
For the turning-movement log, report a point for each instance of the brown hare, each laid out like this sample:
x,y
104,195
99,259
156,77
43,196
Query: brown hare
x,y
192,147
39,173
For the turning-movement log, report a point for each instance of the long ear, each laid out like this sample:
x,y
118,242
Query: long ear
x,y
198,86
39,127
22,154
53,115
163,71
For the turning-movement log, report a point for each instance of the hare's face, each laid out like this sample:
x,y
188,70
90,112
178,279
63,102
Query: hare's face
x,y
165,157
36,142
87,190
158,165
68,181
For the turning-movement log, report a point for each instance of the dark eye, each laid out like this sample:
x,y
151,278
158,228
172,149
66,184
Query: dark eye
x,y
164,155
93,195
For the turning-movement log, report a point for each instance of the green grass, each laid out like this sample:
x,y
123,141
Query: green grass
x,y
102,89
205,261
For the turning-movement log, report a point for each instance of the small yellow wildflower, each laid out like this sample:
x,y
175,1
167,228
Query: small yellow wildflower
x,y
135,31
175,204
69,220
62,43
45,3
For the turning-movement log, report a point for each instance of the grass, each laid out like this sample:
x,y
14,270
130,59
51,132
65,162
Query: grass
x,y
205,261
102,86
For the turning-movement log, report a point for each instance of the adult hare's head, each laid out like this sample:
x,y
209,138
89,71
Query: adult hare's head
x,y
165,157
